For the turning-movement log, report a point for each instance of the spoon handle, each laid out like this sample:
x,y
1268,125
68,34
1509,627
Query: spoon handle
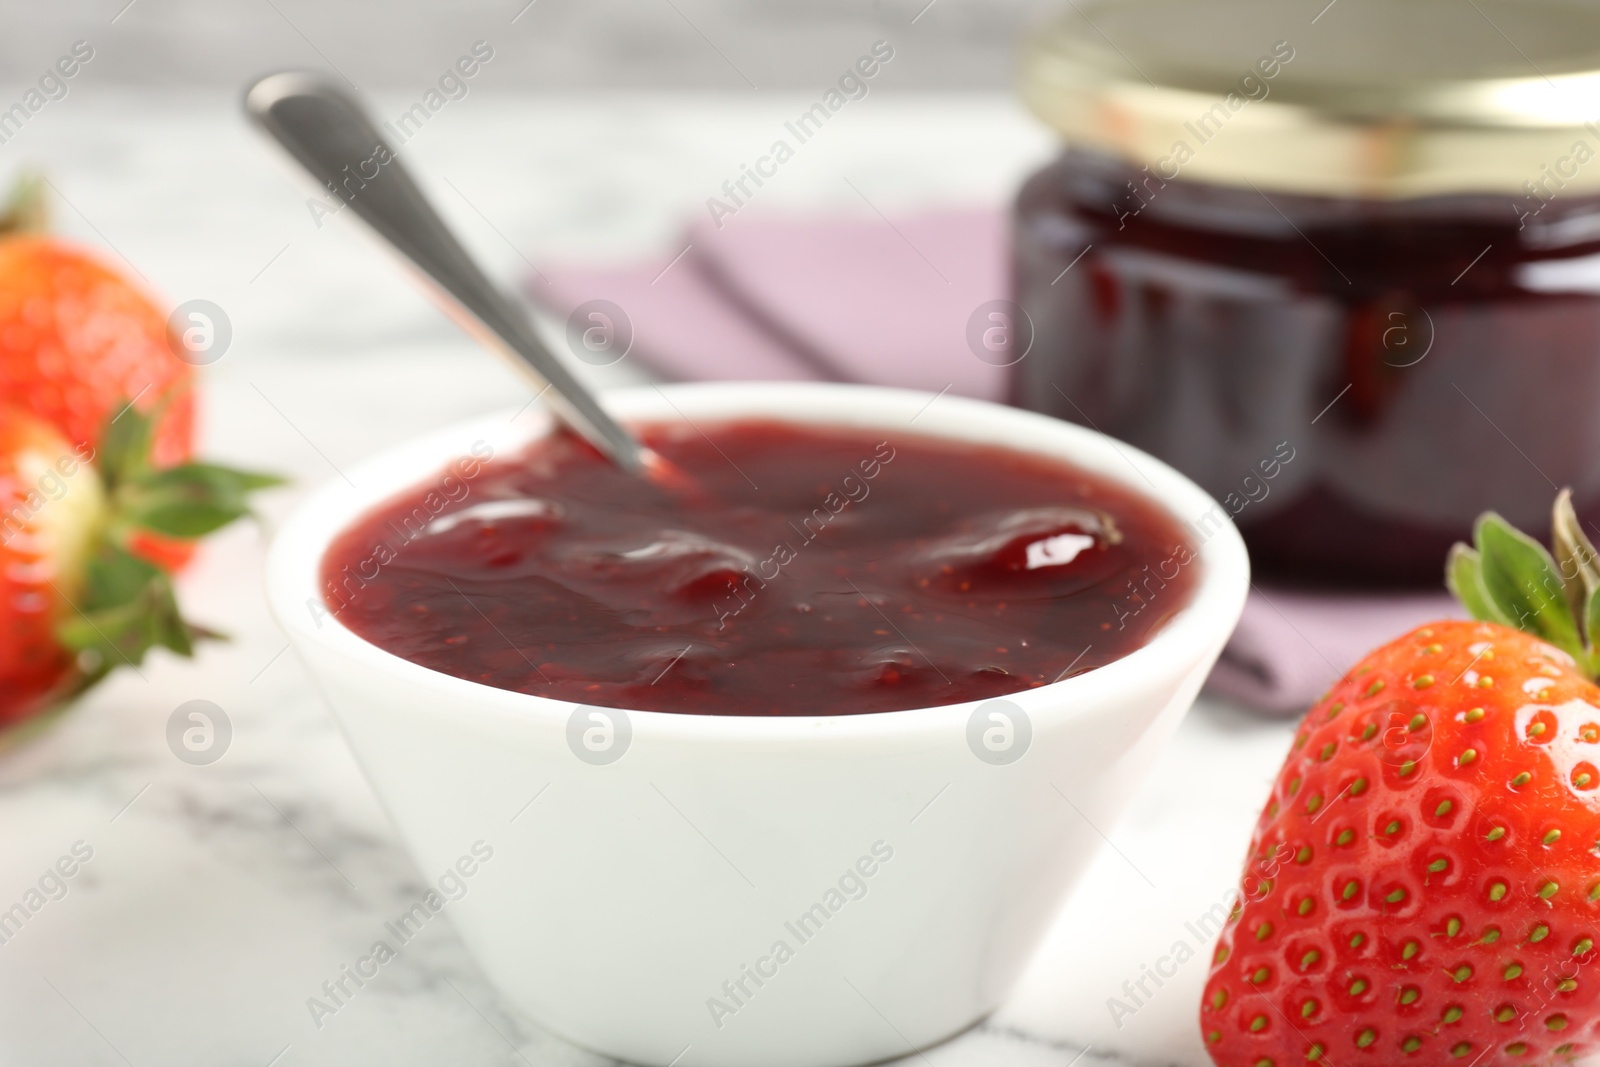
x,y
328,133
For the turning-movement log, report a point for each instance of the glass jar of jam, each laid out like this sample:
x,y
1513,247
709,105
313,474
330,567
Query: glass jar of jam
x,y
1338,262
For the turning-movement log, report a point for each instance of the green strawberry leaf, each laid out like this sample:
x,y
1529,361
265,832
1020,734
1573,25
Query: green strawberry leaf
x,y
125,446
1463,575
196,632
122,622
1522,582
27,206
191,500
1591,625
114,577
229,478
128,608
1576,559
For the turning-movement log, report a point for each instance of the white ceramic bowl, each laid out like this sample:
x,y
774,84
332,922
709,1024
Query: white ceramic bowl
x,y
637,906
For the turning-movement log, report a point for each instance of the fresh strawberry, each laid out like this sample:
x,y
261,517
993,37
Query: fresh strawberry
x,y
75,601
1424,884
78,339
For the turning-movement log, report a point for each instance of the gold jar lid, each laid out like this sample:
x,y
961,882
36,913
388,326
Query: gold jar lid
x,y
1368,98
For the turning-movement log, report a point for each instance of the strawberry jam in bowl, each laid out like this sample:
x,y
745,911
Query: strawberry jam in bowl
x,y
849,699
823,570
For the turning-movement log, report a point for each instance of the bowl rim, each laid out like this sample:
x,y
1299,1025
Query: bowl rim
x,y
1195,632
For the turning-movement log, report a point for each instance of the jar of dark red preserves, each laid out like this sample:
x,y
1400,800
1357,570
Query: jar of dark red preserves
x,y
1338,262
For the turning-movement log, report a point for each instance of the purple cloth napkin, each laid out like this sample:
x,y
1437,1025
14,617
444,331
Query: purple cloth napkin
x,y
1289,646
783,298
886,302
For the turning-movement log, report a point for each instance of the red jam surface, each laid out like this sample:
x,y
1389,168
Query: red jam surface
x,y
822,572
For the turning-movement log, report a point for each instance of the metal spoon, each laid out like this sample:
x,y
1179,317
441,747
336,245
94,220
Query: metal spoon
x,y
328,133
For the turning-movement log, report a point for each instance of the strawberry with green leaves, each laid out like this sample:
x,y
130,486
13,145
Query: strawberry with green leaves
x,y
76,599
1424,884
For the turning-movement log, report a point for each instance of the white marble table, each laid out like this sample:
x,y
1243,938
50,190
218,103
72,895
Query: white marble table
x,y
219,898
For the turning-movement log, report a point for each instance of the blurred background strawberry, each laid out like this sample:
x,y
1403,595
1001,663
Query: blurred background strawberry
x,y
78,340
99,497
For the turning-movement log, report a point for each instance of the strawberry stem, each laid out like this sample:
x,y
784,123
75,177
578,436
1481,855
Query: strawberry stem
x,y
27,207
